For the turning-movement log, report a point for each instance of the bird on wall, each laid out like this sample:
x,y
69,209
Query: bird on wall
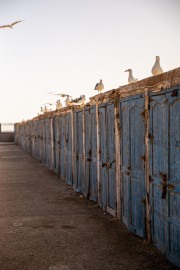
x,y
99,87
68,100
131,79
41,109
79,101
10,25
58,105
45,109
156,69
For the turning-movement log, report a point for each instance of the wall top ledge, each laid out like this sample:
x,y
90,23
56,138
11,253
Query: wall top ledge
x,y
150,84
153,83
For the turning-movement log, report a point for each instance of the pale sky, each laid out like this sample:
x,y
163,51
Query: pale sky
x,y
69,45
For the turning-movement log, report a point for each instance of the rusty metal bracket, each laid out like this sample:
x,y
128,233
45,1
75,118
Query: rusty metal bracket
x,y
151,138
163,185
143,114
109,164
174,93
76,156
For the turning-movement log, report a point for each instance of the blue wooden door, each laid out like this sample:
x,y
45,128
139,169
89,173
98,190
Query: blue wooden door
x,y
173,182
107,159
78,152
165,172
62,169
110,157
56,144
90,186
43,141
68,139
87,127
37,139
47,135
132,164
102,158
93,186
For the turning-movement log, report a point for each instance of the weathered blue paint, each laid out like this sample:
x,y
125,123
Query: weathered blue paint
x,y
78,152
165,172
47,143
93,185
68,139
37,139
110,157
107,158
132,164
102,158
62,170
43,141
56,144
87,131
90,185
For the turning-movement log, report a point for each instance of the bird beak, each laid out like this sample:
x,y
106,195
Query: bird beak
x,y
126,70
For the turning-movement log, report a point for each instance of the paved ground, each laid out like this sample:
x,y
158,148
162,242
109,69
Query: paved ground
x,y
44,224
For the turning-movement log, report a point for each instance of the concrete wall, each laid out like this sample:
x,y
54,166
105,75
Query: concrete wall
x,y
7,137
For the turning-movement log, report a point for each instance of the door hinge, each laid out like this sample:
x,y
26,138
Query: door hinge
x,y
143,114
150,99
143,157
151,137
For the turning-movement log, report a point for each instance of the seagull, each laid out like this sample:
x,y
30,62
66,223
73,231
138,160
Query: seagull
x,y
46,109
80,100
99,86
131,79
68,100
10,25
58,105
41,110
156,69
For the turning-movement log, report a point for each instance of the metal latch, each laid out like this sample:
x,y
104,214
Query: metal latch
x,y
165,185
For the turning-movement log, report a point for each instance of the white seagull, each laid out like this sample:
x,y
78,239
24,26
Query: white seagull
x,y
99,86
68,100
10,25
131,79
58,105
41,109
79,101
156,69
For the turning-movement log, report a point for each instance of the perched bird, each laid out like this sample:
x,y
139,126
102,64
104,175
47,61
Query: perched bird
x,y
45,109
68,100
78,101
156,69
99,86
10,25
41,110
131,79
58,105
